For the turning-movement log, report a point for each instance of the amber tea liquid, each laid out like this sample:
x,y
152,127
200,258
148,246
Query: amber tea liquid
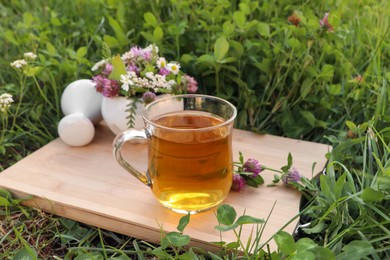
x,y
191,171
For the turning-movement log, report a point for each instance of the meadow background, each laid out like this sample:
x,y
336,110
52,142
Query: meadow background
x,y
287,75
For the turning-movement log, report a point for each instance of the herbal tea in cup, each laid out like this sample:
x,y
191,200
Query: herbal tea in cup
x,y
190,163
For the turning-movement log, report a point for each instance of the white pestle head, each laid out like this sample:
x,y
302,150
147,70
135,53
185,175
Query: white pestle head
x,y
76,130
80,96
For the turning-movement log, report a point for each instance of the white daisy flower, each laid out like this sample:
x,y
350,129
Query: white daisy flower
x,y
126,80
161,62
174,67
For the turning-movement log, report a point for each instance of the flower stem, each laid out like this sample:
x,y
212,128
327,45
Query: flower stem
x,y
270,169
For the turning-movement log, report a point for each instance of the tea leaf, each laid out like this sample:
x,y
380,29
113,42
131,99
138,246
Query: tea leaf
x,y
226,214
183,222
221,48
285,242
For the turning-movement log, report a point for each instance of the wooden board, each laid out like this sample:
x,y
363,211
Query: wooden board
x,y
87,185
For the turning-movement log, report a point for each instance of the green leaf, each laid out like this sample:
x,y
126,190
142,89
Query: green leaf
x,y
51,49
221,48
327,72
118,68
106,51
214,256
177,239
28,19
351,125
150,19
304,255
309,116
205,61
294,43
263,29
5,194
161,253
119,33
81,52
32,71
322,253
254,181
89,256
110,41
242,220
226,228
370,195
306,87
228,28
233,245
4,202
316,229
9,36
305,244
239,19
25,254
334,89
226,214
183,222
158,34
357,249
285,242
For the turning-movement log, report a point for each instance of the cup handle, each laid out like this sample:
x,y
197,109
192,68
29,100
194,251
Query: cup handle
x,y
135,136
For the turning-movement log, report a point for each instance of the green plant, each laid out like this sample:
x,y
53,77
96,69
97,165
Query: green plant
x,y
351,207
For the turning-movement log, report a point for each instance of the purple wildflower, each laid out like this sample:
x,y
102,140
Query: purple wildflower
x,y
110,88
164,71
192,84
292,175
148,97
107,69
147,54
136,51
252,165
324,23
133,67
99,81
238,182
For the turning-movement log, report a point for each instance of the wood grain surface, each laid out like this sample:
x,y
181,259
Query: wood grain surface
x,y
87,185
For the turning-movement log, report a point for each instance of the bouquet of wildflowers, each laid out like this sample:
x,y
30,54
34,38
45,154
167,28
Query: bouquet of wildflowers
x,y
141,73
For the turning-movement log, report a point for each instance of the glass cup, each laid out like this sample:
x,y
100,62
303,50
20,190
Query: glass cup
x,y
190,161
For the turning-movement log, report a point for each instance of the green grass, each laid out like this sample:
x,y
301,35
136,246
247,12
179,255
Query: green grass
x,y
300,82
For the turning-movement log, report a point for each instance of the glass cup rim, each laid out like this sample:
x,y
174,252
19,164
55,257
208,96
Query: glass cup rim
x,y
224,123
